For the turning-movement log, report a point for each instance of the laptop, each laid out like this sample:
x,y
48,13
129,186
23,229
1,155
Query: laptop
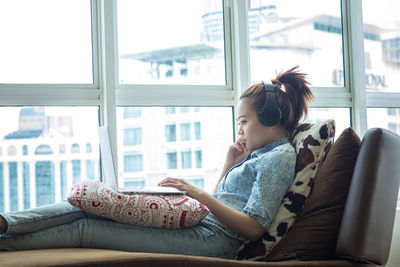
x,y
111,178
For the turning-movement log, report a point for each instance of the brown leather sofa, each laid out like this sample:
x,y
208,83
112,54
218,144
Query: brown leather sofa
x,y
364,238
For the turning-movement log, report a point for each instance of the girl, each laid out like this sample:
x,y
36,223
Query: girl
x,y
258,171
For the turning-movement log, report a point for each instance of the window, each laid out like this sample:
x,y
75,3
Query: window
x,y
164,154
169,110
183,47
379,18
378,117
1,186
172,161
170,133
90,169
75,148
12,170
61,149
197,130
135,182
43,133
76,170
88,148
184,109
186,159
132,136
45,193
133,162
291,33
132,112
198,182
50,47
185,131
199,162
26,186
25,150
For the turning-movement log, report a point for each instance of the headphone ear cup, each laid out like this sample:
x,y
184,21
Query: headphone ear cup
x,y
270,114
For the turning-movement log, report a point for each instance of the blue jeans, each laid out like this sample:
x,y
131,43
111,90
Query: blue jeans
x,y
61,225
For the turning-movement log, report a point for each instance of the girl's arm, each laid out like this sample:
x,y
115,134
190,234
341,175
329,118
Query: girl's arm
x,y
237,221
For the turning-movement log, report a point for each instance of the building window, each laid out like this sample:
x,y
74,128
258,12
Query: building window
x,y
63,179
75,148
392,127
185,131
88,148
45,193
170,110
172,161
391,111
61,149
198,157
76,170
132,112
43,150
1,186
184,109
26,184
25,150
12,168
197,182
90,169
134,182
132,136
197,130
12,151
170,133
133,162
186,159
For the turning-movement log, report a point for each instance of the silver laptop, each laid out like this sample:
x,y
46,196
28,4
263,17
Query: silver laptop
x,y
111,178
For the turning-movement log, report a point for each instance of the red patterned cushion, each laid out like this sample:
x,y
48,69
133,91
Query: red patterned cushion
x,y
163,211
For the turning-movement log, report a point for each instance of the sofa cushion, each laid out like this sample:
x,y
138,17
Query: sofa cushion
x,y
312,143
164,211
315,233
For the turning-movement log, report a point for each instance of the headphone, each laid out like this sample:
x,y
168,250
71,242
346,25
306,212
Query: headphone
x,y
270,114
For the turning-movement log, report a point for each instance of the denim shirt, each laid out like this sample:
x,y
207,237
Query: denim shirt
x,y
257,185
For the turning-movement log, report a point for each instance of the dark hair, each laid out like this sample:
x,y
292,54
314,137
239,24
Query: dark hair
x,y
293,100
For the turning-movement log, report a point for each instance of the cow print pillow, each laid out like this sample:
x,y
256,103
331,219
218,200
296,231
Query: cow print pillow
x,y
312,143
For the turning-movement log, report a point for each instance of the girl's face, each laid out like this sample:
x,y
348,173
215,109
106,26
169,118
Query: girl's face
x,y
254,134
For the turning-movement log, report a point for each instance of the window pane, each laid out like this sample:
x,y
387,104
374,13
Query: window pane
x,y
386,118
45,41
186,159
163,155
287,33
172,162
132,136
340,115
170,133
34,171
171,46
382,45
185,131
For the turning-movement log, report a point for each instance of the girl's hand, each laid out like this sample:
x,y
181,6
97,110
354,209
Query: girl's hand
x,y
182,185
236,153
